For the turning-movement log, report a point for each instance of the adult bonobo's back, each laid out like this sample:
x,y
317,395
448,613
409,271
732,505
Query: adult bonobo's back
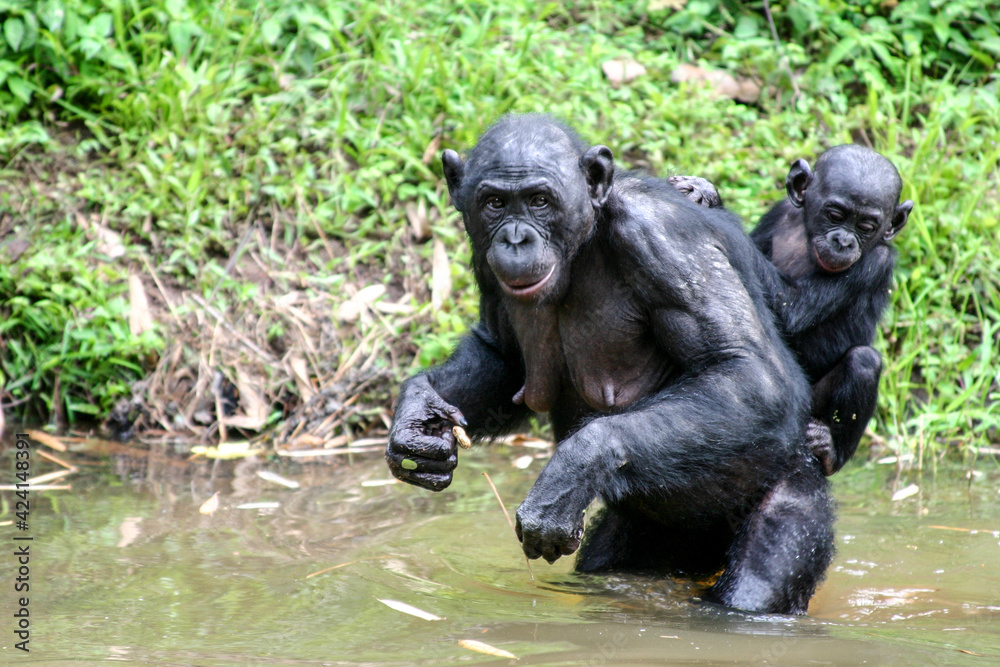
x,y
636,319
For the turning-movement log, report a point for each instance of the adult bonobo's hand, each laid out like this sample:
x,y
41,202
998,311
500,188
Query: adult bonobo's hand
x,y
550,520
422,448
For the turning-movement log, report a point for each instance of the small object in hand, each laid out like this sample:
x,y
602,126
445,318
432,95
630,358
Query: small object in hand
x,y
462,437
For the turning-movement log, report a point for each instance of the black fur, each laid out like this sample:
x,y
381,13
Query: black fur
x,y
830,317
829,281
638,320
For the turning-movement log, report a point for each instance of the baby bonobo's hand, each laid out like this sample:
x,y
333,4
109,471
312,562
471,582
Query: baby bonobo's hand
x,y
698,190
820,441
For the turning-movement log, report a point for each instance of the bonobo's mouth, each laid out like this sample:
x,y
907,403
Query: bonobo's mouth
x,y
529,289
827,266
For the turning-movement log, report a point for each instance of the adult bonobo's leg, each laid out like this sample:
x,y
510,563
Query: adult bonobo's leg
x,y
782,547
844,401
622,538
473,389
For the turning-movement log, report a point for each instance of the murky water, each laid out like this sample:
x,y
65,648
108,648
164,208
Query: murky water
x,y
125,568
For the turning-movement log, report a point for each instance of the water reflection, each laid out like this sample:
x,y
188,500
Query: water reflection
x,y
126,568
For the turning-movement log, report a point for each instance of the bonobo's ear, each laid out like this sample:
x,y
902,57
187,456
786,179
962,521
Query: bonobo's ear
x,y
453,171
599,165
799,178
899,218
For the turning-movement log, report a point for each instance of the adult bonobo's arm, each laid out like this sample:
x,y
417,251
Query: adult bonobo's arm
x,y
474,388
740,401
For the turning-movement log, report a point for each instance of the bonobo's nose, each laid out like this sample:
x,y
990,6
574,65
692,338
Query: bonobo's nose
x,y
517,235
841,240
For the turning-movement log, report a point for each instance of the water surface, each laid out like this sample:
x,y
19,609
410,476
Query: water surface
x,y
126,569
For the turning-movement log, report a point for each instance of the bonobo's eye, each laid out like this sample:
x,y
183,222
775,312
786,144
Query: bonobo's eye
x,y
835,214
539,201
866,227
494,203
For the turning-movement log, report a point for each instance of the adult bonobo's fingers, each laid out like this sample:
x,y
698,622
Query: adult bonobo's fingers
x,y
428,473
551,552
528,539
414,442
446,410
428,480
420,402
697,189
530,546
420,463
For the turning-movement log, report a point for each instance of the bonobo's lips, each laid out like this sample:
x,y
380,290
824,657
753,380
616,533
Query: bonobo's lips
x,y
826,266
530,289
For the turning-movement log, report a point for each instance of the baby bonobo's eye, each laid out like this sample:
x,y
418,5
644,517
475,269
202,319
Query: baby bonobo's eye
x,y
494,203
866,228
835,214
539,201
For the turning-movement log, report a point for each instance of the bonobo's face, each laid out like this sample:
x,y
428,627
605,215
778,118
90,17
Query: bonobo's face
x,y
850,205
527,205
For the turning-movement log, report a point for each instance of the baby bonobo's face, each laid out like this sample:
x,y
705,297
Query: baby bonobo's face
x,y
850,206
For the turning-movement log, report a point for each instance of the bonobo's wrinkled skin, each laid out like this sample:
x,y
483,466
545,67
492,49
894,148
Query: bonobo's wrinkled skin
x,y
829,244
637,320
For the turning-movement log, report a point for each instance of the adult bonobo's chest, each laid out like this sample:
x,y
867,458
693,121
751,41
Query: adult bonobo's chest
x,y
594,347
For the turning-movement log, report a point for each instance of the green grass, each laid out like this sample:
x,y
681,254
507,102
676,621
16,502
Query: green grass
x,y
172,121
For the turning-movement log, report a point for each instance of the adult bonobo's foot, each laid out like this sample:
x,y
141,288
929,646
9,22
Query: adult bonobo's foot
x,y
422,448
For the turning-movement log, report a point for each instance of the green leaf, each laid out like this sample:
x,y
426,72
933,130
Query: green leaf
x,y
271,31
942,28
89,48
13,30
746,27
320,39
100,25
30,32
180,35
20,87
177,8
52,14
841,51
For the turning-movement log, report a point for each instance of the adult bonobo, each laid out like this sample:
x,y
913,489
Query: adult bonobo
x,y
636,319
832,276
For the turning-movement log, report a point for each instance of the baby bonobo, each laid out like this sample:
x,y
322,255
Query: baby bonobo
x,y
829,242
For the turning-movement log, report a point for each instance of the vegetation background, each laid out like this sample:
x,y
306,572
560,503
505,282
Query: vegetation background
x,y
235,207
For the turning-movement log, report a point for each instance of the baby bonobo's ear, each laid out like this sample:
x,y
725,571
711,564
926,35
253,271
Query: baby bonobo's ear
x,y
598,165
899,218
799,178
453,172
